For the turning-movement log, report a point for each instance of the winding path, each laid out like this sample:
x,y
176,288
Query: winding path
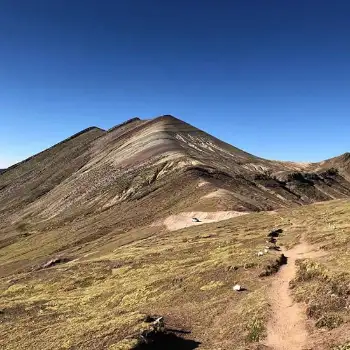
x,y
286,329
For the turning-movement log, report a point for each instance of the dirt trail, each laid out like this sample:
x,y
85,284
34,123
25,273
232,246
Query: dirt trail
x,y
287,327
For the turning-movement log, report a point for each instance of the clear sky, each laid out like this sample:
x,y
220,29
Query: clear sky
x,y
271,77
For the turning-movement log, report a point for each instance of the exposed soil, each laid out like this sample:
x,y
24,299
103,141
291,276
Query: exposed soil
x,y
287,329
182,220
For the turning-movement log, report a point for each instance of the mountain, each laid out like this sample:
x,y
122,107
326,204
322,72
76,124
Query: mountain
x,y
102,205
141,160
141,173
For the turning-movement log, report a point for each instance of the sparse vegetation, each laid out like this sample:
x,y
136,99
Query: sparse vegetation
x,y
323,284
96,200
110,291
256,331
342,347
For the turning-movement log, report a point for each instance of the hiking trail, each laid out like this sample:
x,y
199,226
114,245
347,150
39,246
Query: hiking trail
x,y
286,329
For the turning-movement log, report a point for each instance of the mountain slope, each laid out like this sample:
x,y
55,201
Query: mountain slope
x,y
103,299
98,205
96,174
99,169
98,183
27,181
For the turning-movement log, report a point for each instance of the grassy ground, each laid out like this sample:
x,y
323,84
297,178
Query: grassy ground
x,y
324,283
100,301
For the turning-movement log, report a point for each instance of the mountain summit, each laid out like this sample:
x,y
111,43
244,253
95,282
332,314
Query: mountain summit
x,y
140,161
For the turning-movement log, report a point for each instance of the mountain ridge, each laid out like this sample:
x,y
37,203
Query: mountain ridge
x,y
97,235
94,159
342,157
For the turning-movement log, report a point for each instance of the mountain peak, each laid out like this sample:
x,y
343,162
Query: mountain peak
x,y
138,156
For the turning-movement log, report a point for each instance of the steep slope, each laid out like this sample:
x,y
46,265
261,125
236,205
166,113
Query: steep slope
x,y
99,184
136,158
96,170
341,164
27,181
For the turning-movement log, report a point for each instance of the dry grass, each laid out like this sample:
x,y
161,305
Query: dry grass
x,y
342,347
186,276
100,301
324,284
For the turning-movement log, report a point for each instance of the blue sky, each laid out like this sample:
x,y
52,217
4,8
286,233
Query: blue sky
x,y
271,77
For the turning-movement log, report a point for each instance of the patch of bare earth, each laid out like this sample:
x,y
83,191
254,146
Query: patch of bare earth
x,y
185,219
